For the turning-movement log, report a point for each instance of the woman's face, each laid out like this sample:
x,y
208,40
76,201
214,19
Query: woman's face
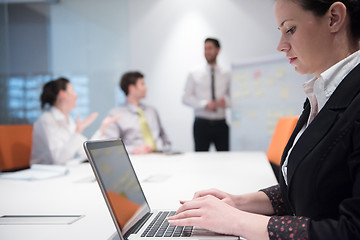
x,y
304,37
69,96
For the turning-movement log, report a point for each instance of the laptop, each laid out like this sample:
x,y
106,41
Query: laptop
x,y
126,201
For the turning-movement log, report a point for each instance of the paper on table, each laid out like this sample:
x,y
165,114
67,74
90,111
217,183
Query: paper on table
x,y
36,172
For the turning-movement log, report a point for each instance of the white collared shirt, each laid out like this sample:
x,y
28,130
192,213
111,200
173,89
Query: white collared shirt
x,y
198,91
55,140
127,127
319,90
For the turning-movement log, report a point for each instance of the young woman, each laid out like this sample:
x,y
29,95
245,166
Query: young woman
x,y
318,196
57,138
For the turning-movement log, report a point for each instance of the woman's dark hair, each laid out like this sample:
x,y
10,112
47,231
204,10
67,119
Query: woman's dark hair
x,y
214,41
319,8
51,90
129,78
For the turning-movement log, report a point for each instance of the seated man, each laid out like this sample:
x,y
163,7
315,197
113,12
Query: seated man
x,y
139,125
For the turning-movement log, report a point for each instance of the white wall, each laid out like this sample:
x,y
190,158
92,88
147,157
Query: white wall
x,y
90,38
161,38
166,41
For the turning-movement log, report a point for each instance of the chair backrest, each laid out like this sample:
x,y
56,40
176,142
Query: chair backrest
x,y
15,147
283,130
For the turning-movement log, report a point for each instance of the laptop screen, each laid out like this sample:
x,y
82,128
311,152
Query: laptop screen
x,y
118,182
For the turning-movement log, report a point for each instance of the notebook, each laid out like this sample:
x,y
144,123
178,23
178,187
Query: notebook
x,y
126,201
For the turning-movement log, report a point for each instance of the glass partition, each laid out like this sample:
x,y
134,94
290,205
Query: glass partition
x,y
83,40
3,61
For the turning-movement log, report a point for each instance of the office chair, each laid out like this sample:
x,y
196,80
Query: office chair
x,y
283,130
15,147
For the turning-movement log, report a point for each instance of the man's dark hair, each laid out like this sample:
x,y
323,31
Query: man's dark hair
x,y
129,78
214,41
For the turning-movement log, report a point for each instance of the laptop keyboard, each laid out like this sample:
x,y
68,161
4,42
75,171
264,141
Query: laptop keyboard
x,y
160,227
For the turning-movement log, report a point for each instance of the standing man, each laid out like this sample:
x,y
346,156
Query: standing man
x,y
207,90
139,125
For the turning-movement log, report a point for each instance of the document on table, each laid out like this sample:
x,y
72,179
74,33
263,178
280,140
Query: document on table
x,y
36,172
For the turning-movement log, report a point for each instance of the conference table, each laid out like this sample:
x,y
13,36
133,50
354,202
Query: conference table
x,y
165,179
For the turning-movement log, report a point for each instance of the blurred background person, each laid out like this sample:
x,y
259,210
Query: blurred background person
x,y
57,138
139,126
207,90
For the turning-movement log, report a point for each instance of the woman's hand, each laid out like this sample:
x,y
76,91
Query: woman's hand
x,y
223,196
107,121
216,215
208,212
82,124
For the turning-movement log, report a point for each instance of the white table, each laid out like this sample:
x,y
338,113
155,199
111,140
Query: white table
x,y
165,180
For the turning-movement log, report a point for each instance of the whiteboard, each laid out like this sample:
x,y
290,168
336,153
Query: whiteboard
x,y
262,91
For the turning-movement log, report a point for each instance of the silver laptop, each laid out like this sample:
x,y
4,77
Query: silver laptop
x,y
126,201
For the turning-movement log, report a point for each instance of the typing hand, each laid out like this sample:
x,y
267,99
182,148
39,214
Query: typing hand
x,y
207,212
223,196
213,214
82,124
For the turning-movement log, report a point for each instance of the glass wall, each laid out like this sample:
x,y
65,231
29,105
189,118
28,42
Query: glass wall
x,y
3,61
83,40
24,60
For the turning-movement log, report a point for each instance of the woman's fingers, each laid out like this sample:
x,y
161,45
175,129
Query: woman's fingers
x,y
193,221
186,217
214,192
186,214
188,205
207,212
91,118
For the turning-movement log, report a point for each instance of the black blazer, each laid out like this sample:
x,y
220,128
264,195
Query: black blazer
x,y
324,165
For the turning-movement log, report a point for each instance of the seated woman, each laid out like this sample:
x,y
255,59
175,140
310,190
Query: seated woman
x,y
57,138
318,196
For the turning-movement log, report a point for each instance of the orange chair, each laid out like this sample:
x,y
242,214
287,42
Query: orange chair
x,y
282,133
15,147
